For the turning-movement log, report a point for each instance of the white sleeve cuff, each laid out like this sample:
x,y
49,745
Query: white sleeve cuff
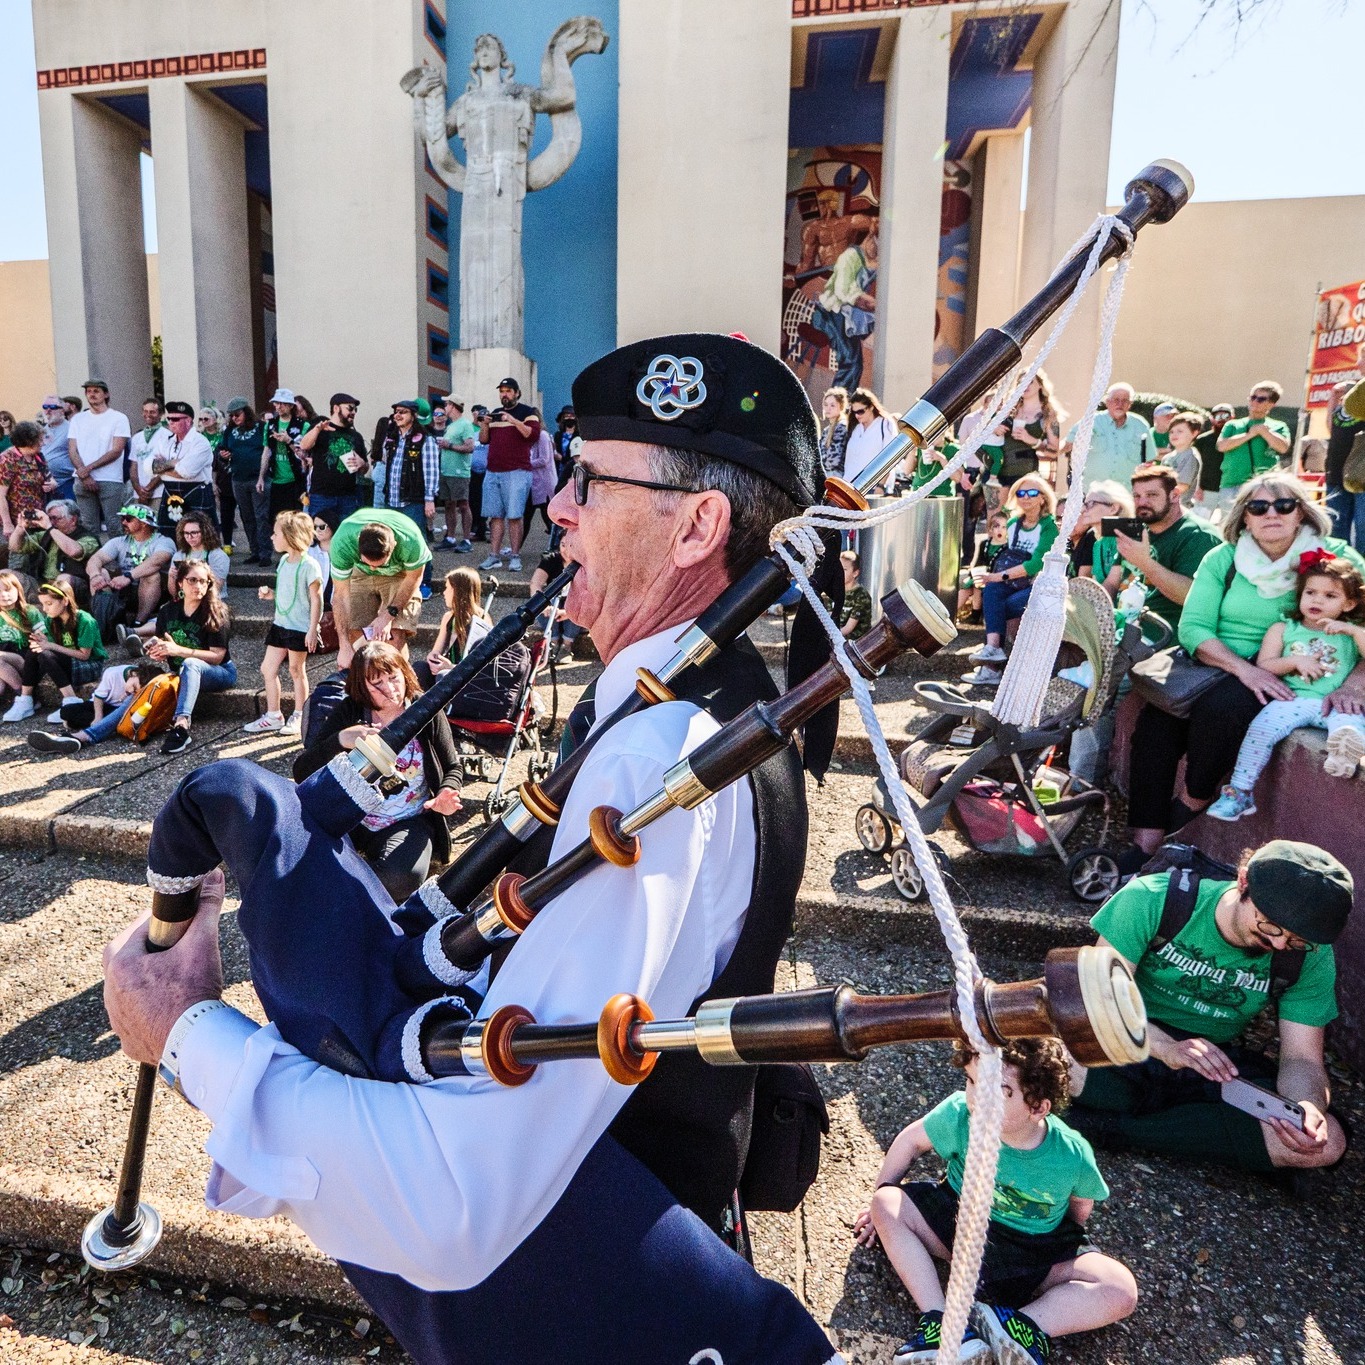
x,y
211,1055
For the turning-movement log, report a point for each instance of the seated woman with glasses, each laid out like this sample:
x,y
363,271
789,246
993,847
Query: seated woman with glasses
x,y
1005,589
1094,555
1240,590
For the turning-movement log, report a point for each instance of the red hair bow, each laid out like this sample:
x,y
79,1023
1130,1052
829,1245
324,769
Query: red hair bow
x,y
1310,559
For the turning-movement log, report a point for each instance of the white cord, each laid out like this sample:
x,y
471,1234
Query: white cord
x,y
798,542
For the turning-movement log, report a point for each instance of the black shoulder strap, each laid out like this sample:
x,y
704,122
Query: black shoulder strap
x,y
1230,575
1182,893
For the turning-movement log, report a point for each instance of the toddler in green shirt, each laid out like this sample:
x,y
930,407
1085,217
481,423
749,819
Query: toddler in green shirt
x,y
1041,1276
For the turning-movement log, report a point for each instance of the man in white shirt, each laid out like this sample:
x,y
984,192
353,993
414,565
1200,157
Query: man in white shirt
x,y
182,463
96,443
1120,441
450,1202
146,485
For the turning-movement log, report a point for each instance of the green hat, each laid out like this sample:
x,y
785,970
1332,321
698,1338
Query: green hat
x,y
423,410
136,509
1301,888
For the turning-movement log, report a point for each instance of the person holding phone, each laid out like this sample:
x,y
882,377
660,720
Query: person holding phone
x,y
1202,986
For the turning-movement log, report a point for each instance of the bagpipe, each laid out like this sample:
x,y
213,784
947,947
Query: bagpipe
x,y
1086,996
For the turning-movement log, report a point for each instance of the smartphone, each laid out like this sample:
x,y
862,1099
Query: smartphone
x,y
1128,526
1261,1103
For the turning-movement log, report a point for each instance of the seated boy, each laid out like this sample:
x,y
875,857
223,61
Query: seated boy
x,y
1041,1276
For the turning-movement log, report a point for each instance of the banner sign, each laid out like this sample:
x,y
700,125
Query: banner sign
x,y
1338,341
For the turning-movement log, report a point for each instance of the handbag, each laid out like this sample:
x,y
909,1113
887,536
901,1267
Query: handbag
x,y
1172,680
784,1142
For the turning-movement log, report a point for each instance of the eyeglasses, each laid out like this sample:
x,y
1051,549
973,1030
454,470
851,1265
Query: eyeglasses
x,y
1292,941
1094,502
1028,493
1260,398
859,412
583,478
1258,507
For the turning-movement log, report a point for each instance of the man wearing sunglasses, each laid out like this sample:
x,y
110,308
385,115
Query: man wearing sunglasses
x,y
1252,444
1208,955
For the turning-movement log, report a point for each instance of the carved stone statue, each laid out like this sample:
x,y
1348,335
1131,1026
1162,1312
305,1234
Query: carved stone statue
x,y
495,119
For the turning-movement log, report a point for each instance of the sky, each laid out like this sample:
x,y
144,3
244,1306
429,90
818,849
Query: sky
x,y
1256,111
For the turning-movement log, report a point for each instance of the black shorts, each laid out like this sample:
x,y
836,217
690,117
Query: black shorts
x,y
296,641
1016,1263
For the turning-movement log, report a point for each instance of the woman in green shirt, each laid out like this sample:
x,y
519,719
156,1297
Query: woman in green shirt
x,y
1240,590
66,647
18,621
1005,590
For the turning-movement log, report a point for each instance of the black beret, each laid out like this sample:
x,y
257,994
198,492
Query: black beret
x,y
175,409
1301,888
709,393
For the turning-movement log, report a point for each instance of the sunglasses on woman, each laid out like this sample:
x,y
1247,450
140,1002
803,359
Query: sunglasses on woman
x,y
1258,507
1028,493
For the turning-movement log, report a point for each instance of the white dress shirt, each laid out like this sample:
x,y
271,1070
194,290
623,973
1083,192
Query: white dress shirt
x,y
439,1183
193,456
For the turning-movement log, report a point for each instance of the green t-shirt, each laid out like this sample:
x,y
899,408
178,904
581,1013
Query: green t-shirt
x,y
455,465
857,602
1033,1189
410,552
1337,652
1238,616
16,626
1199,982
1181,549
85,635
926,469
1253,456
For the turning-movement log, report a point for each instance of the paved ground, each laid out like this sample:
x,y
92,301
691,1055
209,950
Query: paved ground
x,y
1232,1270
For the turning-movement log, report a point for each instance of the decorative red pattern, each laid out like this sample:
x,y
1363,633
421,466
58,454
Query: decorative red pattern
x,y
818,9
195,64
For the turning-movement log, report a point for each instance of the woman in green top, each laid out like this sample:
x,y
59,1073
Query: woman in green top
x,y
18,621
65,647
1005,590
1240,590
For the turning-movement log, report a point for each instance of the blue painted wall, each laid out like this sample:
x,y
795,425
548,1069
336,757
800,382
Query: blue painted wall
x,y
569,229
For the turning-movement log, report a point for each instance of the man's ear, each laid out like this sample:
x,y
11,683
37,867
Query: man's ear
x,y
703,529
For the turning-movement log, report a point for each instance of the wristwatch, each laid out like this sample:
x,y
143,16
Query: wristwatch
x,y
391,609
168,1069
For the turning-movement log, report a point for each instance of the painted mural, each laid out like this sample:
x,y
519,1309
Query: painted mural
x,y
829,284
954,248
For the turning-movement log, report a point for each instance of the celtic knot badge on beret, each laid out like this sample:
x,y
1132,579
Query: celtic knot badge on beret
x,y
672,386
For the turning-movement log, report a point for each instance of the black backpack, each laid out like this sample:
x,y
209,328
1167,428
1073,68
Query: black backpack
x,y
1188,866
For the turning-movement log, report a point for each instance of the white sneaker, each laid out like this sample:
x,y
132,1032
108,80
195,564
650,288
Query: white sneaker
x,y
514,564
981,676
292,725
987,654
1345,750
272,720
491,562
22,709
55,717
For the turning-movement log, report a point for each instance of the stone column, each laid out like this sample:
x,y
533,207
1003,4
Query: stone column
x,y
204,262
999,180
912,194
705,90
1068,172
97,259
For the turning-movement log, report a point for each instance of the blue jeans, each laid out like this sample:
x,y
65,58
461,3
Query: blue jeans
x,y
1001,603
1348,511
339,506
416,512
195,675
101,729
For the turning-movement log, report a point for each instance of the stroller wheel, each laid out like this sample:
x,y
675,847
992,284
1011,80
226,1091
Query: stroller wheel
x,y
873,829
494,804
540,766
1094,875
907,877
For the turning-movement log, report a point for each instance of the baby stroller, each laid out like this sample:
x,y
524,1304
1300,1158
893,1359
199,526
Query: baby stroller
x,y
480,742
1002,787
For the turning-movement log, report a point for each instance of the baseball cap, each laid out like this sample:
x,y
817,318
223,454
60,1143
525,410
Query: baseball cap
x,y
509,383
136,509
1223,407
52,401
338,398
1164,407
95,384
1301,888
283,396
453,401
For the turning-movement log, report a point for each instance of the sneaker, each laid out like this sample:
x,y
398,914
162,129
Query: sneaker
x,y
1345,749
55,744
132,644
491,562
982,676
1232,805
514,564
272,720
292,725
463,547
448,543
987,654
1014,1338
922,1348
54,717
21,709
177,740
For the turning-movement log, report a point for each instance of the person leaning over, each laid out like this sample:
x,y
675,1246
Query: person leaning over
x,y
1202,985
1240,590
378,558
52,542
1252,444
128,573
